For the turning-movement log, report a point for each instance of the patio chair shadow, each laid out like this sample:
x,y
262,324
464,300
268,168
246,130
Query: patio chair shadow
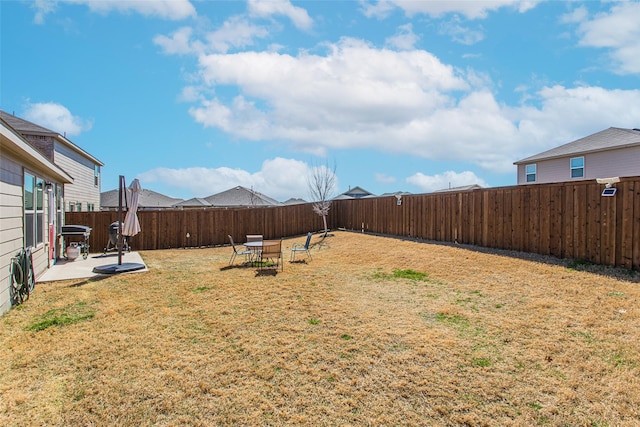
x,y
233,267
87,281
267,272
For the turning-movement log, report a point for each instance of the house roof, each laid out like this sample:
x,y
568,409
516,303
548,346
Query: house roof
x,y
194,202
241,196
354,193
294,201
397,193
461,188
147,199
608,139
13,142
26,127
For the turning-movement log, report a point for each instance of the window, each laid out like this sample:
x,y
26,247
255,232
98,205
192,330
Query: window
x,y
59,207
91,207
33,210
577,167
96,175
29,210
39,211
531,173
79,206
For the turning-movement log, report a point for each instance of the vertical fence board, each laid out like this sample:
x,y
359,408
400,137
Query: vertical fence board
x,y
608,234
594,225
636,226
516,219
555,220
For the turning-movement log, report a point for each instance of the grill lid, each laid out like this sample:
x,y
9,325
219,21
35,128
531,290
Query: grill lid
x,y
76,229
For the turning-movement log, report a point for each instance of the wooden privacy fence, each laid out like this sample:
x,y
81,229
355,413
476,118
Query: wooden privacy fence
x,y
567,220
164,229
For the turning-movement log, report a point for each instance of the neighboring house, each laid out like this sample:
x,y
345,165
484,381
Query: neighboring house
x,y
397,193
461,188
294,201
241,196
31,215
609,153
354,193
83,194
147,200
193,203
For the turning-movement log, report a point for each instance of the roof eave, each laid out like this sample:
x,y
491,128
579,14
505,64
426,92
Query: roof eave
x,y
17,145
538,157
77,149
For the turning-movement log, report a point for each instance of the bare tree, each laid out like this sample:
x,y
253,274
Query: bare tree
x,y
322,183
253,197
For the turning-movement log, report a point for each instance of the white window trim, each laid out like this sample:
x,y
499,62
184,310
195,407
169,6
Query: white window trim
x,y
571,168
535,173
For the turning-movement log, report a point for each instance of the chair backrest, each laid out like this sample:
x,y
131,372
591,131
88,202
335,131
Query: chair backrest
x,y
306,244
272,249
254,237
233,245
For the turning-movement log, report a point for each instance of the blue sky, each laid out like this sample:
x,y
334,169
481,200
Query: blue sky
x,y
195,97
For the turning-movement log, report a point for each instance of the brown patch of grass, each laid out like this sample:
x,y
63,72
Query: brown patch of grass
x,y
372,331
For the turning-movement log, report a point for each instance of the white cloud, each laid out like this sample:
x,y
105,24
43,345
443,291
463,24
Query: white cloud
x,y
448,179
619,31
566,114
460,33
164,9
56,117
235,33
278,178
42,9
405,38
405,102
268,8
469,9
354,90
179,42
577,15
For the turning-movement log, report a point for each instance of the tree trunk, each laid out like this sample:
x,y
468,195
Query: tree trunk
x,y
326,229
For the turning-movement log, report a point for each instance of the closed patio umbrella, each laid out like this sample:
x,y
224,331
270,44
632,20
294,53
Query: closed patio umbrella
x,y
131,225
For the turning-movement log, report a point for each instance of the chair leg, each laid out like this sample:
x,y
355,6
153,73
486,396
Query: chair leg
x,y
233,256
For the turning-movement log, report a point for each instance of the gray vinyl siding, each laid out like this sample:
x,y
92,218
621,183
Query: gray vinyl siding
x,y
602,164
83,189
12,224
11,217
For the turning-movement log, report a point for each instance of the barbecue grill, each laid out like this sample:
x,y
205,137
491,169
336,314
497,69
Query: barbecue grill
x,y
77,239
112,244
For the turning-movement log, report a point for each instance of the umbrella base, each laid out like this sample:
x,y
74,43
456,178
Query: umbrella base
x,y
125,267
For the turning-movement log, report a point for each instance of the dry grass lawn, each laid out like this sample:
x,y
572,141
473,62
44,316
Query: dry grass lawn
x,y
372,331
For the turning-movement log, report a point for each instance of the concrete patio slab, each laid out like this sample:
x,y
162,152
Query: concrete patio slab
x,y
83,268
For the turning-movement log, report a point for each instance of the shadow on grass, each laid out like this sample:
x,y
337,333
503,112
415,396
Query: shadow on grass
x,y
266,272
235,266
87,281
618,273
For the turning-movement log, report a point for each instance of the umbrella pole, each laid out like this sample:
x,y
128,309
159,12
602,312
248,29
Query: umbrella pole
x,y
127,266
120,190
